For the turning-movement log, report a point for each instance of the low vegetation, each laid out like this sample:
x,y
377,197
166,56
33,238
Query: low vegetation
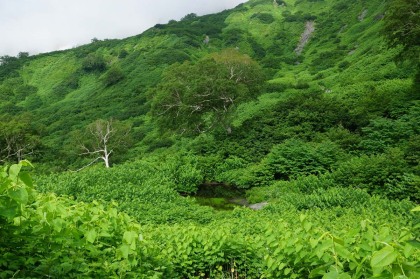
x,y
124,135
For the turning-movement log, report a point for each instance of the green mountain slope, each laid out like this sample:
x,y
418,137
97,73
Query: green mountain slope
x,y
343,64
298,107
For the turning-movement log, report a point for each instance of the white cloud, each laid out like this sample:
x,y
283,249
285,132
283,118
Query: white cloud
x,y
46,25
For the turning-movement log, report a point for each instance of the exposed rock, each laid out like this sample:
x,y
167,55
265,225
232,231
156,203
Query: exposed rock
x,y
306,35
342,28
258,206
244,202
206,40
362,16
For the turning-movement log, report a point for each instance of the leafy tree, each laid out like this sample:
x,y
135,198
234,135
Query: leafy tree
x,y
113,76
402,25
123,54
199,97
190,16
9,66
18,139
102,138
94,63
23,55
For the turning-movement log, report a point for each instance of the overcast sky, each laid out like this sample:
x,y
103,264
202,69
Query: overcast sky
x,y
38,26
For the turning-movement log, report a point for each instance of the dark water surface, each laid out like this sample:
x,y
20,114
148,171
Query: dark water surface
x,y
220,196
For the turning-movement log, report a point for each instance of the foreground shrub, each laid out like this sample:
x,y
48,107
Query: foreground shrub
x,y
50,236
145,190
56,236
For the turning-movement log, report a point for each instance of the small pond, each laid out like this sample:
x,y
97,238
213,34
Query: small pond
x,y
220,196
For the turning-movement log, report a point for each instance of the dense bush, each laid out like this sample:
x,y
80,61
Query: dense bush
x,y
145,190
94,63
264,17
166,56
295,158
60,237
113,76
333,137
385,174
182,172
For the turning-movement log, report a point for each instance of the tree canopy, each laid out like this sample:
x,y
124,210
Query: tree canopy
x,y
402,25
196,97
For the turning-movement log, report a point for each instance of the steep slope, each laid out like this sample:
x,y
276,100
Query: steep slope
x,y
329,142
64,91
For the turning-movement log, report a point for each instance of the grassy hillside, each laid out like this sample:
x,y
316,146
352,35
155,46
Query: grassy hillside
x,y
301,105
65,91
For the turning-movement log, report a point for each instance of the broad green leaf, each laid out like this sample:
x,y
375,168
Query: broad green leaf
x,y
125,249
343,252
415,243
417,208
26,179
338,240
26,163
20,195
383,257
331,275
319,270
91,235
9,211
130,236
313,242
14,171
335,274
270,263
58,224
307,226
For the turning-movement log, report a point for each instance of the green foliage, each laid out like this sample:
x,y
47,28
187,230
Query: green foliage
x,y
19,139
16,189
145,190
181,170
166,56
383,133
333,137
196,97
10,65
295,158
385,174
358,82
190,16
264,17
94,63
57,236
402,25
113,76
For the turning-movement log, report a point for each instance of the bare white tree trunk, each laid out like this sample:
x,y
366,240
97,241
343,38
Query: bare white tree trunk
x,y
101,131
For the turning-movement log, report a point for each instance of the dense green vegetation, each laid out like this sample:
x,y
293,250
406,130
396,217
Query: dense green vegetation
x,y
322,125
